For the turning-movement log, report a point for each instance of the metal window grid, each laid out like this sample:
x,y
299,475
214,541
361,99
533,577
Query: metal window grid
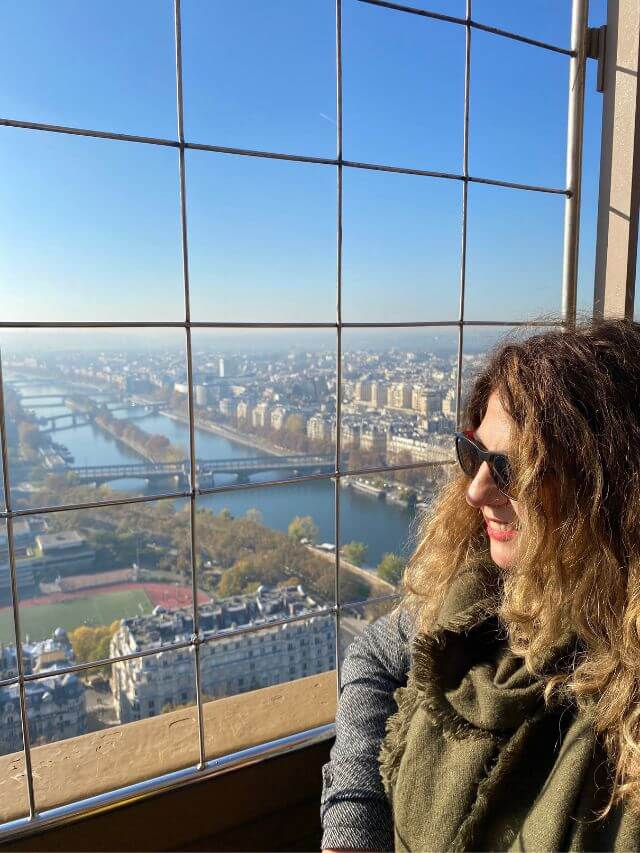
x,y
577,54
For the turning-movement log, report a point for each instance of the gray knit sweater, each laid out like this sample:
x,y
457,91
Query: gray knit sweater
x,y
354,808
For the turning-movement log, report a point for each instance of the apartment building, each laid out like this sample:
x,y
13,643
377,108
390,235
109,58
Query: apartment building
x,y
232,663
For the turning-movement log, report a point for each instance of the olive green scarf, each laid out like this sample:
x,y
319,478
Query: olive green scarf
x,y
473,760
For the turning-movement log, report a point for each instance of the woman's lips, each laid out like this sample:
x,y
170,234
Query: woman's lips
x,y
499,535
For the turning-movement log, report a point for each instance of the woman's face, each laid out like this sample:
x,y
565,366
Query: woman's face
x,y
500,512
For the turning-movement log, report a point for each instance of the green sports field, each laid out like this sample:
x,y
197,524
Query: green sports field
x,y
38,621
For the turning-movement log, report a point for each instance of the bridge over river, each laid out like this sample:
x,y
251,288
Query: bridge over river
x,y
177,473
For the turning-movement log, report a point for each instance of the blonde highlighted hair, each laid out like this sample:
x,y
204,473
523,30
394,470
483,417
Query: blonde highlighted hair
x,y
574,398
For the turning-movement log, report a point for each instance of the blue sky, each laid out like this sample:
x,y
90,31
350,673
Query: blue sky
x,y
89,229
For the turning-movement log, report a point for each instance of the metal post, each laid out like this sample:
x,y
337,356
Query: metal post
x,y
26,741
465,199
337,481
189,353
575,124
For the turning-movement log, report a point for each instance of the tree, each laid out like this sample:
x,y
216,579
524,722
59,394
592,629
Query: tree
x,y
355,552
91,644
225,514
303,527
390,568
254,515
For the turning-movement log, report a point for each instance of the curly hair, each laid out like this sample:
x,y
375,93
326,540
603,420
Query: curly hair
x,y
574,398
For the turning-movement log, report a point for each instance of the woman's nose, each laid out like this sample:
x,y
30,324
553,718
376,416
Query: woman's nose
x,y
482,489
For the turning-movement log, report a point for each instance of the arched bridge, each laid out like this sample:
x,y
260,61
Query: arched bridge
x,y
206,469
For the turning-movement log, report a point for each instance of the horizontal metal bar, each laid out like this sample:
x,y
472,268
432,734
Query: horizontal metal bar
x,y
270,155
134,499
83,131
451,176
325,475
168,324
395,324
452,19
254,152
140,791
85,665
449,323
378,599
230,487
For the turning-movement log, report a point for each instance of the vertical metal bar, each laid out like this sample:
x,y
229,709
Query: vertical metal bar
x,y
26,741
465,199
189,355
339,176
575,129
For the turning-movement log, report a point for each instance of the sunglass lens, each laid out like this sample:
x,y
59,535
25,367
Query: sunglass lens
x,y
501,473
467,456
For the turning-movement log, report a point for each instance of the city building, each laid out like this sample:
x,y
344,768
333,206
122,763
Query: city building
x,y
228,407
26,576
260,417
244,410
56,709
319,428
56,705
278,417
373,438
232,663
201,395
66,550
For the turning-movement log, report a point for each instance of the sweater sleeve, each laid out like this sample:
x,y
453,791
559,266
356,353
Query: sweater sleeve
x,y
354,809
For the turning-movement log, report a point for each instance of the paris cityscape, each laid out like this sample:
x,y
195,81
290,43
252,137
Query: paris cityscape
x,y
113,581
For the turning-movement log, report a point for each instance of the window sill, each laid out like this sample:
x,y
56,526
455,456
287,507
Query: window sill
x,y
71,770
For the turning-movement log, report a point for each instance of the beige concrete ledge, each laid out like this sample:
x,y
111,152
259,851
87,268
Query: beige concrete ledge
x,y
80,767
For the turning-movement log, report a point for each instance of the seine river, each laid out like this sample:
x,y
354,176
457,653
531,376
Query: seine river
x,y
382,526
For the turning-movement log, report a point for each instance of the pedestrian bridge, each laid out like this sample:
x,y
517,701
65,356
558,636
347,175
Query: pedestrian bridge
x,y
206,469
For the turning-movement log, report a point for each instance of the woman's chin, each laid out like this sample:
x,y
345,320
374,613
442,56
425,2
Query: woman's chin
x,y
502,553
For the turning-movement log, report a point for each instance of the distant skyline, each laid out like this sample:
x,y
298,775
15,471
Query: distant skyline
x,y
90,229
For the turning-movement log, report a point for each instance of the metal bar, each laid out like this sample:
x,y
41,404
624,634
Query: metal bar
x,y
85,665
29,324
378,599
139,791
339,213
452,176
18,513
230,487
136,324
24,718
272,155
452,19
83,131
192,433
465,200
575,128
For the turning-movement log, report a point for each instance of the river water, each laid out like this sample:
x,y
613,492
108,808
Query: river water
x,y
382,526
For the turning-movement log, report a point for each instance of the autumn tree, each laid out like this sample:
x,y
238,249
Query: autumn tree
x,y
390,568
355,552
303,527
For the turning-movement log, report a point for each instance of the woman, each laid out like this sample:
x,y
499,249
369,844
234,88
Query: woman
x,y
515,654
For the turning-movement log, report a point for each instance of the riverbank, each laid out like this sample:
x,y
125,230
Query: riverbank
x,y
230,433
377,586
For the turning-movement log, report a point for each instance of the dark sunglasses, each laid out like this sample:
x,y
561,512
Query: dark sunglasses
x,y
471,457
